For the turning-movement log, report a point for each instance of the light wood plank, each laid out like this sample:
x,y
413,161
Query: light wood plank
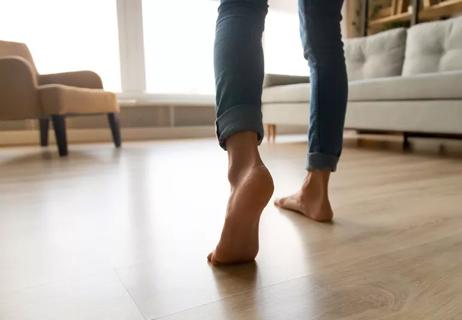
x,y
152,211
405,283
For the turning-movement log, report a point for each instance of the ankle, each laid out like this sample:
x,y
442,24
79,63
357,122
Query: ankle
x,y
243,154
317,181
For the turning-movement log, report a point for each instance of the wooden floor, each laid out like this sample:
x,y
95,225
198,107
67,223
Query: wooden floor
x,y
108,234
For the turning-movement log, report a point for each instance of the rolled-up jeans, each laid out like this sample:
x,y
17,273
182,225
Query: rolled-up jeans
x,y
239,70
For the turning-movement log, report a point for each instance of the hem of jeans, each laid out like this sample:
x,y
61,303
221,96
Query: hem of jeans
x,y
239,118
321,161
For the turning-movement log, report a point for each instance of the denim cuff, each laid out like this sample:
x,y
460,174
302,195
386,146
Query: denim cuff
x,y
321,161
237,119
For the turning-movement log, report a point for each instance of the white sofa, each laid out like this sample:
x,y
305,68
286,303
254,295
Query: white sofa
x,y
407,81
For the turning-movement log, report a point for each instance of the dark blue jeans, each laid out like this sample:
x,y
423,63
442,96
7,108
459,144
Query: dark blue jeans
x,y
239,70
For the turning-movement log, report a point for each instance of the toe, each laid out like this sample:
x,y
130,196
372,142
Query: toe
x,y
289,203
212,259
279,202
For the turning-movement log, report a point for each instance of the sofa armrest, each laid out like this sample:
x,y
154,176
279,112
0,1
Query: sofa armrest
x,y
18,89
272,80
81,79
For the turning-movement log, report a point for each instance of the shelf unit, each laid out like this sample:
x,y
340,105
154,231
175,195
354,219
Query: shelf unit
x,y
410,12
442,9
394,18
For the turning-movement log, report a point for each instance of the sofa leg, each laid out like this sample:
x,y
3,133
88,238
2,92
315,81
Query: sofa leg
x,y
114,123
406,143
268,132
44,125
59,126
271,133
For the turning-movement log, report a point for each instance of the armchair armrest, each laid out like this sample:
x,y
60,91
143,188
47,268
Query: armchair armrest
x,y
17,71
272,80
81,79
18,89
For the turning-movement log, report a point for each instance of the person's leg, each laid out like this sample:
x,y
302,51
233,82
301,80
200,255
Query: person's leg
x,y
323,48
239,77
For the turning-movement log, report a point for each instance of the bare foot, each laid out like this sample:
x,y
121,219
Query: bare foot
x,y
251,189
312,200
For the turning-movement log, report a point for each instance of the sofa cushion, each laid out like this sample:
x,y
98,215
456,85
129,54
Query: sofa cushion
x,y
444,85
299,92
431,116
379,55
272,79
60,99
434,47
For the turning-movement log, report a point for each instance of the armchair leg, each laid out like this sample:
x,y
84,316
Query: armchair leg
x,y
114,124
59,125
44,124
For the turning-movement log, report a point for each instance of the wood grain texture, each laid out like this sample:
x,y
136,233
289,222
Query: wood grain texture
x,y
124,234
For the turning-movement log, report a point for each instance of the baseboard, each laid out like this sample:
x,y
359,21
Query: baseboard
x,y
31,137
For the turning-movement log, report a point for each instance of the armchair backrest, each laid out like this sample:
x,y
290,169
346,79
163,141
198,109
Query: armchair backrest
x,y
18,83
17,49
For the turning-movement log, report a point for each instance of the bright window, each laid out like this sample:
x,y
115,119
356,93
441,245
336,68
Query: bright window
x,y
282,44
66,35
178,41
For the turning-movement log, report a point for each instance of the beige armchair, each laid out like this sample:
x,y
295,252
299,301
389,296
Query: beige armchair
x,y
25,94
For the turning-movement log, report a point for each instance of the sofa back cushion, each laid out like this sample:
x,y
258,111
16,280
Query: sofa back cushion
x,y
434,47
376,56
